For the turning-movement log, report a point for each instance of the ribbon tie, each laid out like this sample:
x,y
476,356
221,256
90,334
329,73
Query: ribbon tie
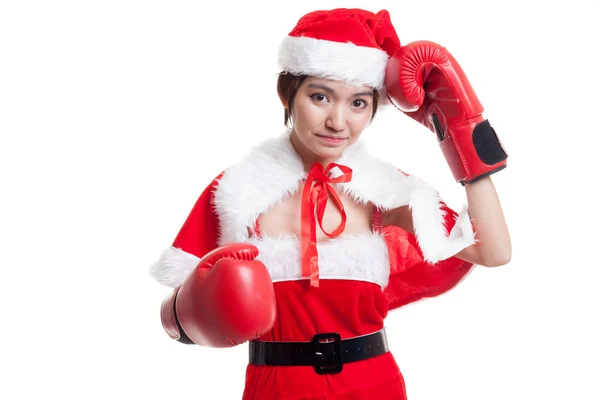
x,y
316,191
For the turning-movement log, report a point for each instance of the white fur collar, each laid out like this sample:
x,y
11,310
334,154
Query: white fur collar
x,y
273,170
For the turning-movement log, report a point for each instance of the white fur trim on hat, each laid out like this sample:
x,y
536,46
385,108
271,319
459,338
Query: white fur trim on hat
x,y
346,62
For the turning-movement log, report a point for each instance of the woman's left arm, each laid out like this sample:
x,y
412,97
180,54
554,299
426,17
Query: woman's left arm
x,y
493,247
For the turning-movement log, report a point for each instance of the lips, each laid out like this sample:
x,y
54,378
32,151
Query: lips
x,y
332,137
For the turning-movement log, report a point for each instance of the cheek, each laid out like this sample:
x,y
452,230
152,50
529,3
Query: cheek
x,y
359,122
309,115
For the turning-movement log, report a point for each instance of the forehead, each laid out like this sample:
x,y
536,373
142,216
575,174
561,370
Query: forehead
x,y
340,86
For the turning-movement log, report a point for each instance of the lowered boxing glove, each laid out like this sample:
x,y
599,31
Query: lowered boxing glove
x,y
425,82
227,300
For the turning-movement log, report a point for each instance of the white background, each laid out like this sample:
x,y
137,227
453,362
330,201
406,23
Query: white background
x,y
115,115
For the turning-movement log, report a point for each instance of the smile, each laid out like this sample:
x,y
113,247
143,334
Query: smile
x,y
331,140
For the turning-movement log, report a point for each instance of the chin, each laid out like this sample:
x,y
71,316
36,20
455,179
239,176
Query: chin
x,y
329,152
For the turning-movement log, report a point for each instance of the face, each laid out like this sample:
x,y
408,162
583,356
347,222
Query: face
x,y
328,116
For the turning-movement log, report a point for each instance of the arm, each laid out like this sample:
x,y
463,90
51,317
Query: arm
x,y
227,300
426,82
494,247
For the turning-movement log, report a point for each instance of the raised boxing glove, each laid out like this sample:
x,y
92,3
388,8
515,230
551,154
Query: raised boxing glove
x,y
227,300
425,82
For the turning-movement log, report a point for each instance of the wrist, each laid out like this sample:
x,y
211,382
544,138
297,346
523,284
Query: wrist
x,y
170,322
473,151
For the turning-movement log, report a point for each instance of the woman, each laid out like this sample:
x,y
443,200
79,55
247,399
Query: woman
x,y
249,264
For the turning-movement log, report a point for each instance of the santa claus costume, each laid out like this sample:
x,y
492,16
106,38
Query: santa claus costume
x,y
327,338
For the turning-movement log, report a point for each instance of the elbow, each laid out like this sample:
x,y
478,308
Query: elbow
x,y
499,259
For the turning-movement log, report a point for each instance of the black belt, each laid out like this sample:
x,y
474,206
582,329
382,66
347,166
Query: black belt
x,y
327,353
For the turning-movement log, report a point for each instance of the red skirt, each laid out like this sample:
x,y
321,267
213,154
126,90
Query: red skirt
x,y
378,378
391,390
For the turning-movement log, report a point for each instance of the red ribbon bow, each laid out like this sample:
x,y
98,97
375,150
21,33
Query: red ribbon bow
x,y
315,192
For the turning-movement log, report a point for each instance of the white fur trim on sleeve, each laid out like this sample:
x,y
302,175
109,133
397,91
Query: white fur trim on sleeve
x,y
173,267
431,235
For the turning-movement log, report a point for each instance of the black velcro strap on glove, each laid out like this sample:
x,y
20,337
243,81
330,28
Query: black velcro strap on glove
x,y
487,144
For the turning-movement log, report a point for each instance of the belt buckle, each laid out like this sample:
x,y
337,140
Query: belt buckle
x,y
327,353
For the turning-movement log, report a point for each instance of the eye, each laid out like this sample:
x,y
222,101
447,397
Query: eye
x,y
359,103
319,97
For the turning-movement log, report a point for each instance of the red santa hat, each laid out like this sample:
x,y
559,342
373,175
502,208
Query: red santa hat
x,y
350,45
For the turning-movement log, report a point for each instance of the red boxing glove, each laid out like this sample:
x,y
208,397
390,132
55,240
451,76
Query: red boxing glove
x,y
425,82
227,300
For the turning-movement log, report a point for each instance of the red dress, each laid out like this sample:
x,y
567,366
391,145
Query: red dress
x,y
348,307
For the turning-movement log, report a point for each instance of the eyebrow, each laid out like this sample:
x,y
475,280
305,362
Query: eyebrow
x,y
330,90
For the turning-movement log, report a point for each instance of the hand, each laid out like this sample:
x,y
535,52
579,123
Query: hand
x,y
227,300
425,82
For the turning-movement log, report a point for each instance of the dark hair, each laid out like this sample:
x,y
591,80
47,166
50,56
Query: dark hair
x,y
288,85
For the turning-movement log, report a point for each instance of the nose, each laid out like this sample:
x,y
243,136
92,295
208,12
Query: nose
x,y
336,120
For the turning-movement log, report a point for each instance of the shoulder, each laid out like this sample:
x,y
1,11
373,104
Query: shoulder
x,y
265,176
